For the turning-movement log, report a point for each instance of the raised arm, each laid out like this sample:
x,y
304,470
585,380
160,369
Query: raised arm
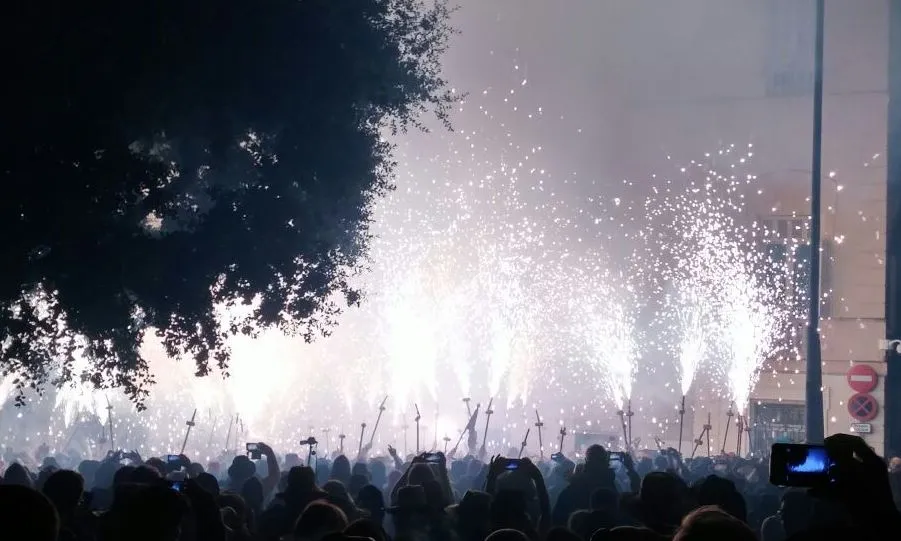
x,y
273,474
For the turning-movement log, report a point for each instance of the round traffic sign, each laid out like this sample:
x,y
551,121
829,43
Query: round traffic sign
x,y
863,407
862,378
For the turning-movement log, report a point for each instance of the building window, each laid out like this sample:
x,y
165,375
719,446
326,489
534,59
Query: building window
x,y
789,252
790,47
789,229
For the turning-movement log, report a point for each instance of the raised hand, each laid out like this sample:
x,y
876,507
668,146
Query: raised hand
x,y
265,449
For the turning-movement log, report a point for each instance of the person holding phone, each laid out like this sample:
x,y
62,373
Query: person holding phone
x,y
423,468
243,469
595,475
518,502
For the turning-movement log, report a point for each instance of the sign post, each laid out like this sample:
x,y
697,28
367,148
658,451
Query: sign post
x,y
862,378
863,407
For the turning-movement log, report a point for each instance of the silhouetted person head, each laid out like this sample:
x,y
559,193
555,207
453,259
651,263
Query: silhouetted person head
x,y
378,473
627,533
596,457
234,501
157,463
147,513
372,501
27,514
507,534
663,490
241,470
604,499
419,474
318,520
341,469
715,490
123,476
562,534
357,482
43,475
366,528
209,483
65,489
87,469
360,468
16,474
145,475
710,523
795,511
301,479
252,492
337,490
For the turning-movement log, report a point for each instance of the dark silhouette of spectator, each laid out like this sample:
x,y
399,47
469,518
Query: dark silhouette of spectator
x,y
509,510
628,533
411,517
300,492
88,469
241,470
792,518
378,474
252,493
17,474
604,514
146,513
318,520
27,514
235,501
561,534
715,490
710,523
209,483
339,496
357,482
65,489
372,501
596,473
471,518
662,503
340,470
366,528
144,475
507,534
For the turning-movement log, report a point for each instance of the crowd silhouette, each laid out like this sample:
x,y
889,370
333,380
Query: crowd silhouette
x,y
605,496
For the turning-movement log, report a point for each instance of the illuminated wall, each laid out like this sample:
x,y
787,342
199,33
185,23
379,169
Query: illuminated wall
x,y
707,73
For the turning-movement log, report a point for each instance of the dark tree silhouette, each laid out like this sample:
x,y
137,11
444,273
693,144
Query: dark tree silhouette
x,y
163,158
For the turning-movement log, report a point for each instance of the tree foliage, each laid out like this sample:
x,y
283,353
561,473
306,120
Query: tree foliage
x,y
162,159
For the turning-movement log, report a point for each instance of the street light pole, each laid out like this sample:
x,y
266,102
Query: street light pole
x,y
892,406
815,422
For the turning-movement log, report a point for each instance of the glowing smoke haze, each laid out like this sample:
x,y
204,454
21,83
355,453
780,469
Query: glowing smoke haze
x,y
485,282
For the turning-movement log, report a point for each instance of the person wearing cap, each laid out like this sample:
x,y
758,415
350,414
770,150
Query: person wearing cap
x,y
411,513
472,516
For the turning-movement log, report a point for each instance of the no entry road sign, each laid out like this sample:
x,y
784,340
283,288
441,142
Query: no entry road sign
x,y
863,407
862,378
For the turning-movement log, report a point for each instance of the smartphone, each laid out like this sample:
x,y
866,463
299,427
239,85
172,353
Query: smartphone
x,y
800,465
177,486
557,457
512,464
253,449
173,459
433,458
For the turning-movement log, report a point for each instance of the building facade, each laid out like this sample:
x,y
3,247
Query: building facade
x,y
703,73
